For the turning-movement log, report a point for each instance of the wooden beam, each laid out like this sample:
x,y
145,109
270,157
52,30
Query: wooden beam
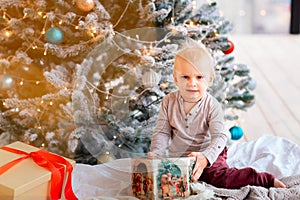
x,y
295,17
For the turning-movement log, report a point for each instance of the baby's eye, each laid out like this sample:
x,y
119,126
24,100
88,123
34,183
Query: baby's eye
x,y
200,77
185,77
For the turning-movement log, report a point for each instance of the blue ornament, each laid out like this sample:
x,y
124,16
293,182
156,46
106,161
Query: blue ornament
x,y
236,132
54,35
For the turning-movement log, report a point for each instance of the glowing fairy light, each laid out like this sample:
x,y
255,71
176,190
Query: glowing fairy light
x,y
7,33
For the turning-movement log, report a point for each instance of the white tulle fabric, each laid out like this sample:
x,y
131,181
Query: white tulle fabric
x,y
276,155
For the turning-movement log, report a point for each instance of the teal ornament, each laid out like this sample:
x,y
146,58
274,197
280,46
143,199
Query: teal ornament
x,y
54,35
236,132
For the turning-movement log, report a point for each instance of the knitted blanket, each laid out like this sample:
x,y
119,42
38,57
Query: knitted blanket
x,y
292,192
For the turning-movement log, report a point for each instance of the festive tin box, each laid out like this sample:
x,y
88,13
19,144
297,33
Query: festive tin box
x,y
24,174
161,178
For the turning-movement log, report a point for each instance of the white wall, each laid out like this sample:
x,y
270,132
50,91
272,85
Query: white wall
x,y
256,16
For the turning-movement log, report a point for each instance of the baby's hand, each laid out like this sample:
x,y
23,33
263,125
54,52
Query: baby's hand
x,y
201,163
150,155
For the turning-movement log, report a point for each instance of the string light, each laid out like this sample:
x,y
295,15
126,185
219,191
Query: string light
x,y
25,15
7,33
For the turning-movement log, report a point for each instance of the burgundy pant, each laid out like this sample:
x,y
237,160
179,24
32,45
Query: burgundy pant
x,y
220,175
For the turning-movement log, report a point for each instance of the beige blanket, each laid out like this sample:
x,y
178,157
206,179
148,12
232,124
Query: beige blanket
x,y
292,192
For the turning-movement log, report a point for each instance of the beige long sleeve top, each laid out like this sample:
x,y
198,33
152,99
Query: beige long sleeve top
x,y
201,130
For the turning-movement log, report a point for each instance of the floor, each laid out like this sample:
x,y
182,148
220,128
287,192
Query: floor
x,y
274,61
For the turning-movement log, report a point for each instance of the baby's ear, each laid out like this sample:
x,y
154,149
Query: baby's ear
x,y
174,77
211,79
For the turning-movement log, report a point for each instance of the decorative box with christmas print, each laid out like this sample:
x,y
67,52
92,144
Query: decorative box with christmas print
x,y
161,178
27,172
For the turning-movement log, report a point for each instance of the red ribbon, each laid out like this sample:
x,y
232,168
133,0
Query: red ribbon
x,y
53,163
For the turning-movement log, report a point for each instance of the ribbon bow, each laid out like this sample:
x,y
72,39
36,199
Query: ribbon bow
x,y
53,163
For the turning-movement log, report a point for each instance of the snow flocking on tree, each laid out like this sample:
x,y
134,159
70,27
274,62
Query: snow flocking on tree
x,y
100,86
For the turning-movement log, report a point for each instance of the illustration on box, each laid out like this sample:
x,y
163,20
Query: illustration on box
x,y
171,180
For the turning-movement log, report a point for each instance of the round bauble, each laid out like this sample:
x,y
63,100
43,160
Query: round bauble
x,y
85,5
6,82
236,132
150,79
104,158
54,35
230,48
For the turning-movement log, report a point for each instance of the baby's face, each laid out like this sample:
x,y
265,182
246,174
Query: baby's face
x,y
191,83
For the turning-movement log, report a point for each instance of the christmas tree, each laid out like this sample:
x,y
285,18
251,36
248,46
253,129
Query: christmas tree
x,y
85,78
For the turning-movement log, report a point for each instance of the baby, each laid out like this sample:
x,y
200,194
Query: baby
x,y
191,123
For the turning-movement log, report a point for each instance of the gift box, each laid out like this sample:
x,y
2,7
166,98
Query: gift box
x,y
161,178
30,178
